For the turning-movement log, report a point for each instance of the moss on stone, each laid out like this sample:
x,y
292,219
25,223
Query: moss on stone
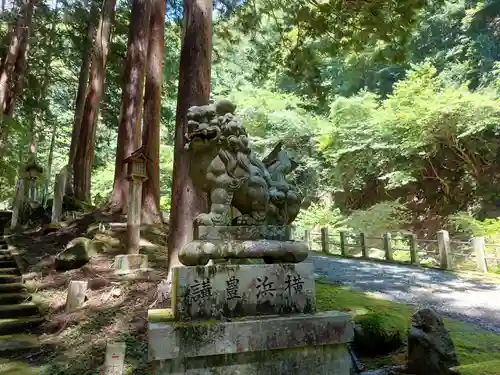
x,y
160,315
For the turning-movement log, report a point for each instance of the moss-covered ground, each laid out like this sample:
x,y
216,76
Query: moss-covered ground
x,y
478,350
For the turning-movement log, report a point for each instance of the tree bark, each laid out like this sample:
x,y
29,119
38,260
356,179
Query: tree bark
x,y
48,174
194,89
83,82
152,112
14,64
84,155
129,131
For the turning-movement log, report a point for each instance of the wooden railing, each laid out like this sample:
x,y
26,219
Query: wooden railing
x,y
439,252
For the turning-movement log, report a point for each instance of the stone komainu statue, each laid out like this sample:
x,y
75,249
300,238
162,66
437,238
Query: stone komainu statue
x,y
224,166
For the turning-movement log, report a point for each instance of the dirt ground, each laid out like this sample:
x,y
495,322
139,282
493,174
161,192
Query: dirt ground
x,y
116,308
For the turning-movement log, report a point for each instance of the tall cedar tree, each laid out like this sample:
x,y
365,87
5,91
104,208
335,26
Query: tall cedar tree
x,y
13,65
129,131
194,89
83,82
152,112
84,156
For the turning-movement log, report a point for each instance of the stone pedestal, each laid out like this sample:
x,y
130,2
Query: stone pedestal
x,y
291,345
249,319
130,263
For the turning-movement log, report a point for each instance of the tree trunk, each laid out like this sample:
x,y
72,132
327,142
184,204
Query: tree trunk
x,y
194,89
14,64
152,113
129,131
48,174
83,82
84,156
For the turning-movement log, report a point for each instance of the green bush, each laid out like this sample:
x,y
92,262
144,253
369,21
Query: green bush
x,y
377,334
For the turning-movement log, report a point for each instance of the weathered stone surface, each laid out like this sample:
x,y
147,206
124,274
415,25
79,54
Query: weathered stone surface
x,y
430,348
210,338
198,253
76,254
223,165
218,291
130,263
317,360
243,232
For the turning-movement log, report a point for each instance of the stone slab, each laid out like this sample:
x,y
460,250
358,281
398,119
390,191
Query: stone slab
x,y
219,291
317,360
199,252
129,263
208,338
243,232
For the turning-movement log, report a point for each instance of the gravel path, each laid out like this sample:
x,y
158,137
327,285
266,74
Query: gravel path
x,y
472,301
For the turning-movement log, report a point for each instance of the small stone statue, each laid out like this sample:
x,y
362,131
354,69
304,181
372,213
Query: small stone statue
x,y
224,166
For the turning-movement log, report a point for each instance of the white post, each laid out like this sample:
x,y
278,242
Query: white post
x,y
478,244
18,204
443,238
59,189
115,358
76,295
134,215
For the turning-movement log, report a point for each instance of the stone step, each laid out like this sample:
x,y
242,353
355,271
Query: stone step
x,y
6,256
10,279
18,343
12,288
18,311
8,263
19,325
14,298
9,271
4,246
9,367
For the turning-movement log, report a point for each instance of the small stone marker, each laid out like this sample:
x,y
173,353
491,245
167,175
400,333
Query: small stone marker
x,y
128,263
76,295
232,291
115,358
59,189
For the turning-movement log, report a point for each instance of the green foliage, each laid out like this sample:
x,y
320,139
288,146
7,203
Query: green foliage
x,y
379,333
382,217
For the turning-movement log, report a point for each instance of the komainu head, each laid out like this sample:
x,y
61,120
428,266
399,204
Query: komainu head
x,y
216,125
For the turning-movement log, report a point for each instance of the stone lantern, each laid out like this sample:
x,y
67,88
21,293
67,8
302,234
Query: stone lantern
x,y
136,173
33,172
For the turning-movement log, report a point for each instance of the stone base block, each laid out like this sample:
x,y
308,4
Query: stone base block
x,y
295,345
229,291
130,263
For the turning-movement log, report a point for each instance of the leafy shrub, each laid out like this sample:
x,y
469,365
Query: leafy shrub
x,y
377,334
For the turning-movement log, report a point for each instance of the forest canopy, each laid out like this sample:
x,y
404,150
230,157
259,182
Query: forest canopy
x,y
401,113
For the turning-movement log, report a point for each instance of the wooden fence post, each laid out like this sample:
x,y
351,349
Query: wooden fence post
x,y
388,247
413,249
362,244
325,240
443,238
342,244
307,238
478,245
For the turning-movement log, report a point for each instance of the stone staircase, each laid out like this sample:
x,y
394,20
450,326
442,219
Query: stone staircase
x,y
18,316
